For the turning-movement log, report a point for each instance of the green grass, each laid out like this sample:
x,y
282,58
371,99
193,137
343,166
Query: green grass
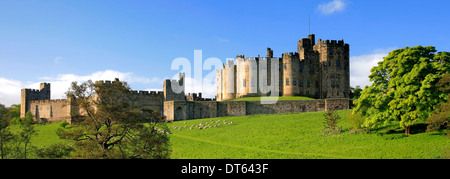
x,y
297,136
273,98
46,134
276,136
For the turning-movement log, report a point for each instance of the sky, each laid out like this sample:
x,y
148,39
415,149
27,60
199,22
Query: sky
x,y
63,41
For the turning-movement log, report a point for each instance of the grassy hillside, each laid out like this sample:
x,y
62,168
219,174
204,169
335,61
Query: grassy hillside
x,y
273,98
284,136
297,136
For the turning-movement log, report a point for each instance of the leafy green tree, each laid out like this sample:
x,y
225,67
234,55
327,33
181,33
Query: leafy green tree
x,y
27,132
5,133
355,92
441,116
113,125
404,87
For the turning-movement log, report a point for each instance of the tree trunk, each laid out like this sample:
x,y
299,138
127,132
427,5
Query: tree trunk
x,y
407,130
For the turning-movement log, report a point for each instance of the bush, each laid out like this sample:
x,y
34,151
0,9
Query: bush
x,y
16,121
55,151
64,124
357,122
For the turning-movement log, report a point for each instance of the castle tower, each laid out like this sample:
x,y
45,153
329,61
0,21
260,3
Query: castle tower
x,y
45,90
309,80
335,64
269,53
175,91
229,81
291,74
28,95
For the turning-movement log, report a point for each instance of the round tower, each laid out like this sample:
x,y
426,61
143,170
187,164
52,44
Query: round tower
x,y
229,82
291,63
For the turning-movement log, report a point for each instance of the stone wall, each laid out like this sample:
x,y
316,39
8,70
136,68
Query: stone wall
x,y
185,110
51,110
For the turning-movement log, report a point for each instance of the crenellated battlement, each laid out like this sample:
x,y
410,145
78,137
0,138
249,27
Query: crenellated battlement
x,y
290,54
197,97
333,43
147,93
49,101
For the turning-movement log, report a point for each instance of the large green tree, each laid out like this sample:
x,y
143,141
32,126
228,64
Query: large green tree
x,y
112,124
404,87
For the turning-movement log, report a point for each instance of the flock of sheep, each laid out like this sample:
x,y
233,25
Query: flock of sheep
x,y
212,123
200,126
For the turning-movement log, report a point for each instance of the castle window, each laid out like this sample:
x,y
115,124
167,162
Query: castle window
x,y
285,66
243,83
338,63
300,83
311,70
307,83
332,75
317,84
337,75
311,58
324,63
287,81
330,52
300,68
294,82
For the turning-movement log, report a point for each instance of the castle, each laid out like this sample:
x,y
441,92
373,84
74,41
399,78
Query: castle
x,y
317,70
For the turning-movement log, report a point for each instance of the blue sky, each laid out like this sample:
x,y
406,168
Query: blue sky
x,y
62,41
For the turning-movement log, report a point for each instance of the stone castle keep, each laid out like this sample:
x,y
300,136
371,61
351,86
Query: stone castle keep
x,y
317,70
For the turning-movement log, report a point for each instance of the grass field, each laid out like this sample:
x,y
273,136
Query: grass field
x,y
298,136
272,98
285,136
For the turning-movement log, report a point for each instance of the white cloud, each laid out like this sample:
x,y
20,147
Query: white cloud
x,y
360,66
332,7
207,87
10,89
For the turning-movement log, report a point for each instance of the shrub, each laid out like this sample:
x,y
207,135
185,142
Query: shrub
x,y
357,121
55,151
64,124
330,123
